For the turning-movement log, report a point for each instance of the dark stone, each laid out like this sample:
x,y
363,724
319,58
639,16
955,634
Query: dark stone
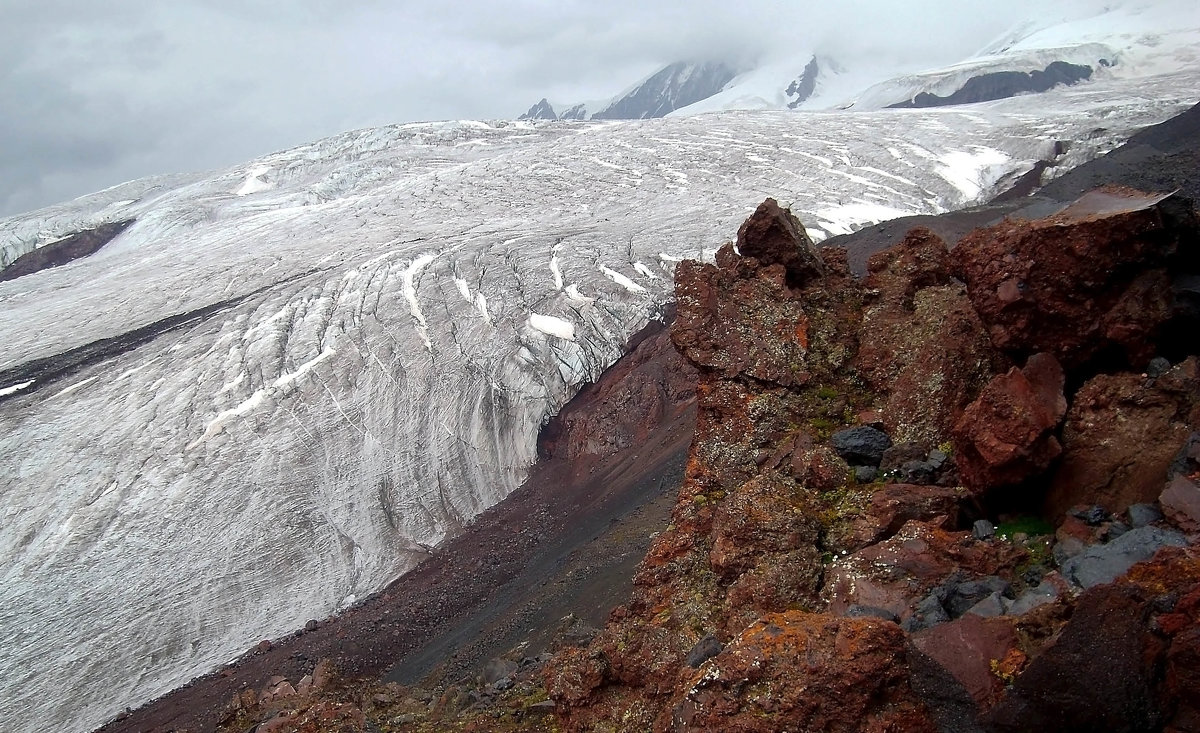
x,y
917,472
952,707
1033,576
1093,515
705,649
1094,678
1099,564
497,669
983,529
899,454
929,612
861,446
962,596
1115,530
865,474
311,625
1187,460
1141,515
1157,367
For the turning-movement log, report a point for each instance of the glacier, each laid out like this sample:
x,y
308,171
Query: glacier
x,y
353,344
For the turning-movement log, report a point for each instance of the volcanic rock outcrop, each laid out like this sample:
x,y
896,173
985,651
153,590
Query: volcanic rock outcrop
x,y
916,505
904,508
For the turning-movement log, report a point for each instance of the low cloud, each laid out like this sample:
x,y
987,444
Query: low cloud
x,y
99,93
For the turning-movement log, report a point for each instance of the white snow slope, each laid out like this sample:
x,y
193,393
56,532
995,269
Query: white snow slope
x,y
1134,38
403,308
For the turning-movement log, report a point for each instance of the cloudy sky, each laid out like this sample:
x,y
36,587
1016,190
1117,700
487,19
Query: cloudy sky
x,y
96,92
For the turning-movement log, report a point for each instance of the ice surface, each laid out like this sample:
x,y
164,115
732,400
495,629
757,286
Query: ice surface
x,y
386,338
552,326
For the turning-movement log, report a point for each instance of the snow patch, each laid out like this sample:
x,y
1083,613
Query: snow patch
x,y
847,218
481,306
622,280
645,270
576,296
971,172
4,392
74,387
552,326
217,424
255,182
464,289
410,294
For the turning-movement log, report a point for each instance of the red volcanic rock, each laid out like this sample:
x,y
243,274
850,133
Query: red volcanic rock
x,y
921,343
895,574
968,648
890,507
841,675
774,237
575,676
1088,279
1127,660
1007,435
759,329
780,582
1119,438
1181,503
766,514
647,386
920,260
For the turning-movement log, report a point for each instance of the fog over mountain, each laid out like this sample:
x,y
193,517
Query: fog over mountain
x,y
99,93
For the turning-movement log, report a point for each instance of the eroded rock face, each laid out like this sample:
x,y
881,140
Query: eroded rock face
x,y
746,532
1111,669
966,648
1089,281
922,343
652,382
1007,435
1120,436
849,674
716,333
898,573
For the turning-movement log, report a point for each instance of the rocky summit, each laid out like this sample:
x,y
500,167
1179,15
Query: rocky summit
x,y
984,572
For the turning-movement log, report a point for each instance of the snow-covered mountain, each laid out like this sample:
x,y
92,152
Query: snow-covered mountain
x,y
673,87
1072,43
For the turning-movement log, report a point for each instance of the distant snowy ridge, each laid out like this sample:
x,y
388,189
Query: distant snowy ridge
x,y
672,87
1128,39
368,333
